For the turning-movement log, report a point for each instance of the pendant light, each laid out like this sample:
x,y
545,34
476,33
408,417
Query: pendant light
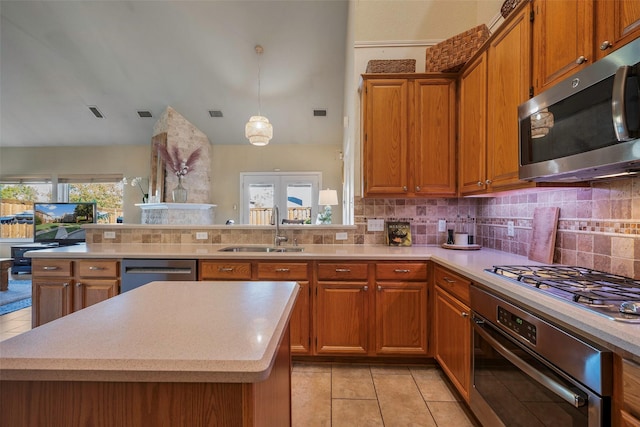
x,y
258,129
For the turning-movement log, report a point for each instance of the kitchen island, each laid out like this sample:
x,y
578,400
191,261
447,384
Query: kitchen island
x,y
169,353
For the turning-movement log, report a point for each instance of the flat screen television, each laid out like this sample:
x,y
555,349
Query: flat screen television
x,y
61,223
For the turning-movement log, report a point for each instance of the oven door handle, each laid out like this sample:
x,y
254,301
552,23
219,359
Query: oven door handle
x,y
568,395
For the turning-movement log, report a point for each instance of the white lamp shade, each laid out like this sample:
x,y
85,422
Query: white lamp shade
x,y
328,197
258,130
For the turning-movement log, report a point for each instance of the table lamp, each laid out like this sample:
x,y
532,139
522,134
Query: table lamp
x,y
327,198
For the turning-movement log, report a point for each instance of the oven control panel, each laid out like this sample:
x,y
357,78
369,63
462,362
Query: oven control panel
x,y
517,324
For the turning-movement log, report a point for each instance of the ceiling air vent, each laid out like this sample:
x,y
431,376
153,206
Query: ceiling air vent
x,y
96,112
320,113
144,113
215,113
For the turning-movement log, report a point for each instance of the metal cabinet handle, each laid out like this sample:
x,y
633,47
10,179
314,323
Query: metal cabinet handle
x,y
401,270
446,279
343,270
93,267
282,270
366,288
581,59
606,45
225,269
49,268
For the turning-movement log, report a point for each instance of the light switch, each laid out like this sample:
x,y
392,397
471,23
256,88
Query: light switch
x,y
511,231
442,225
202,235
341,236
109,235
375,225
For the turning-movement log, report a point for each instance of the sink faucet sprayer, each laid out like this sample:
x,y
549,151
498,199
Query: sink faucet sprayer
x,y
276,219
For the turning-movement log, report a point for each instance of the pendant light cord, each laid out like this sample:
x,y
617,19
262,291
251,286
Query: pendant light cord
x,y
259,51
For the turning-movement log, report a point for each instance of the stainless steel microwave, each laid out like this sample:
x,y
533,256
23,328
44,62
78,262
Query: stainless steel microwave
x,y
587,126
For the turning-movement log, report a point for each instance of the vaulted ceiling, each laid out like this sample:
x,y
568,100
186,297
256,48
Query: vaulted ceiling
x,y
58,58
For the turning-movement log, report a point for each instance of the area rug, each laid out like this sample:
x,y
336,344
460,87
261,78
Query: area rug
x,y
17,296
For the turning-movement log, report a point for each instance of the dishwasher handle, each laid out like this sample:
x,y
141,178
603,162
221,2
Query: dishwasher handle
x,y
157,270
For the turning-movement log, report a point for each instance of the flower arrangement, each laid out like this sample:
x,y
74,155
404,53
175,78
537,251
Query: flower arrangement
x,y
136,181
175,163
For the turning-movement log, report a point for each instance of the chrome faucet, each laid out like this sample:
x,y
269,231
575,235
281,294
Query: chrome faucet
x,y
277,238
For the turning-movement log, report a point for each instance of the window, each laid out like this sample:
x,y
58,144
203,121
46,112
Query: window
x,y
294,193
17,198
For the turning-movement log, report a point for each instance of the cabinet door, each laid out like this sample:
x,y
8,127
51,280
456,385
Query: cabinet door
x,y
453,340
563,39
300,322
433,158
472,150
385,139
617,23
401,318
52,299
509,79
342,314
91,291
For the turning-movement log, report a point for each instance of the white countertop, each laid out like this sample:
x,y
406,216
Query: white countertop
x,y
618,336
164,331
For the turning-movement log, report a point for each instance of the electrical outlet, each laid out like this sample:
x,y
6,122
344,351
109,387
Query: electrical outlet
x,y
442,225
202,235
109,234
341,236
511,230
375,225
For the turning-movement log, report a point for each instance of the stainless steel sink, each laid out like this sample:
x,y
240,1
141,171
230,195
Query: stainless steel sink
x,y
262,249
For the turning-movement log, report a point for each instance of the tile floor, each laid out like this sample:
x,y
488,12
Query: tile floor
x,y
350,395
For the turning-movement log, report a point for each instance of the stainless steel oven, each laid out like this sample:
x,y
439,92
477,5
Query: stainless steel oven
x,y
528,372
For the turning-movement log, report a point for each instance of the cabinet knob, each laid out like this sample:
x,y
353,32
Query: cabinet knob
x,y
464,314
365,288
488,182
480,183
379,288
79,284
606,45
66,284
417,188
404,188
581,59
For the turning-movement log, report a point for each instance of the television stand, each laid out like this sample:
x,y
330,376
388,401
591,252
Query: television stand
x,y
22,264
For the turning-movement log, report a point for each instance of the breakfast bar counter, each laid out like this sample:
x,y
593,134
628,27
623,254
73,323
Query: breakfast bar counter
x,y
166,351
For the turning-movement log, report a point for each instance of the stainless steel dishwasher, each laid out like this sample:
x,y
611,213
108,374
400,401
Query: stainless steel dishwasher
x,y
138,272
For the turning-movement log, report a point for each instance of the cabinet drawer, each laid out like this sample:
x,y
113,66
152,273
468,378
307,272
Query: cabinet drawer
x,y
402,271
214,270
283,271
342,271
453,283
52,267
98,268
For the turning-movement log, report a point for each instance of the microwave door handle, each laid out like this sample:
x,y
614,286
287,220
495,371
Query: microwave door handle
x,y
618,106
569,396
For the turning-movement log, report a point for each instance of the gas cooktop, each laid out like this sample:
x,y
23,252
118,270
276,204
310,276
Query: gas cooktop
x,y
613,296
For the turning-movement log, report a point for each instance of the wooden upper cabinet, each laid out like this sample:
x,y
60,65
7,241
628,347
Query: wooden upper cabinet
x,y
508,83
472,140
385,112
563,39
409,135
617,23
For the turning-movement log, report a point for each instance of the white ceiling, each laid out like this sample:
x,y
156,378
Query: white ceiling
x,y
59,57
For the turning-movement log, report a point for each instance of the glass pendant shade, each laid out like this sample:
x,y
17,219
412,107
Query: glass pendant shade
x,y
258,130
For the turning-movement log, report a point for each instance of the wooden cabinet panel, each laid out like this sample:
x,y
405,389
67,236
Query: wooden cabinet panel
x,y
617,23
52,299
93,291
52,267
628,420
283,271
343,271
631,387
401,271
453,283
225,270
98,268
563,39
401,318
453,340
300,322
385,113
508,82
472,113
342,318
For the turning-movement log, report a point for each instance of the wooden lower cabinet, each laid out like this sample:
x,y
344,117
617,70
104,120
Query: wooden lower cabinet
x,y
60,286
626,399
452,334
